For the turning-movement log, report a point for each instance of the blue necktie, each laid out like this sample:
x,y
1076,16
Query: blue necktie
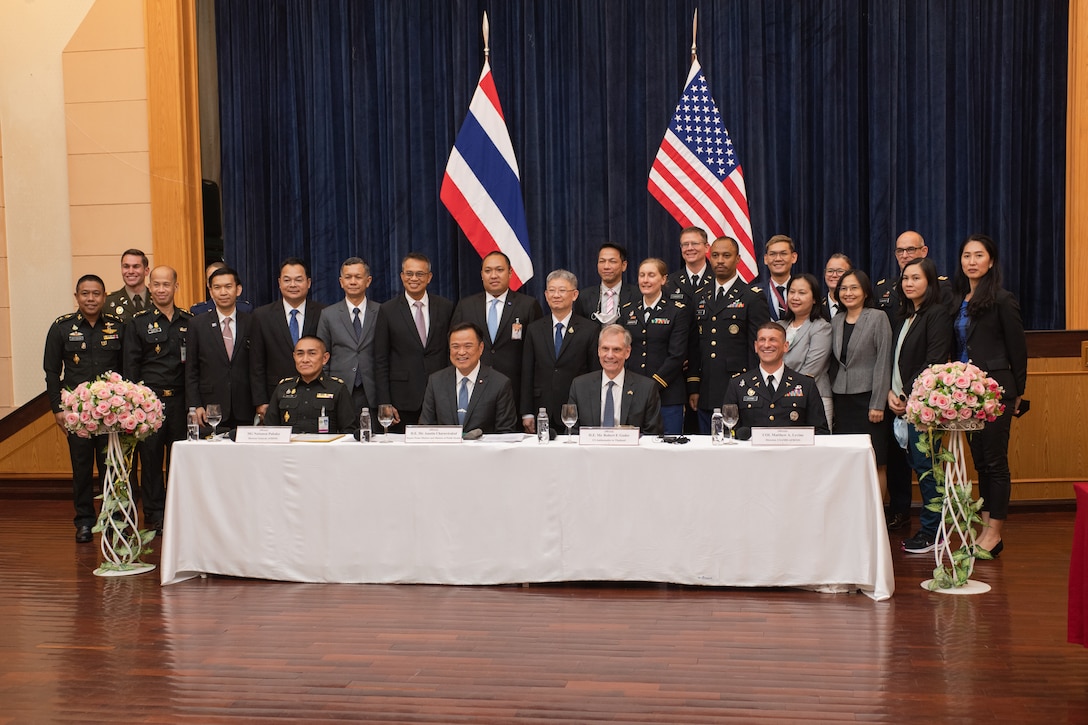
x,y
609,407
462,402
558,338
493,320
357,324
293,327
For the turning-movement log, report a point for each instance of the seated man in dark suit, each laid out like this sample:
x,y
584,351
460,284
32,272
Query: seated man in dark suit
x,y
773,395
614,396
302,401
469,394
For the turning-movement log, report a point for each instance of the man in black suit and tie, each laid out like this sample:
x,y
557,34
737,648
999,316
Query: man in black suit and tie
x,y
410,341
469,394
217,365
280,325
727,315
559,348
602,302
614,396
779,256
503,314
686,283
773,395
347,328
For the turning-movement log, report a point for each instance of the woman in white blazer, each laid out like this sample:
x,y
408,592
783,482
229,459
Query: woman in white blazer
x,y
808,336
861,371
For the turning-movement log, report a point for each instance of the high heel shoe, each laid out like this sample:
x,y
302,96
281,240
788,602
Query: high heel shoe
x,y
992,553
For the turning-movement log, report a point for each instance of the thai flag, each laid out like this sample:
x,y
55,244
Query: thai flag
x,y
482,185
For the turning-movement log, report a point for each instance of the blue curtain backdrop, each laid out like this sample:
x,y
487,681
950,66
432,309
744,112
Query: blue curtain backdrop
x,y
854,120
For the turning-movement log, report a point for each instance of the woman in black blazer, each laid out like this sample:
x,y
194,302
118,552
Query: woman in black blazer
x,y
659,330
922,336
990,333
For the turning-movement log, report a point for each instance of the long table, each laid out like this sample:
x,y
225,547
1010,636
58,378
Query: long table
x,y
499,513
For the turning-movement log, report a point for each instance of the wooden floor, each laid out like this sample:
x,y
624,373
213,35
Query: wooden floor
x,y
74,647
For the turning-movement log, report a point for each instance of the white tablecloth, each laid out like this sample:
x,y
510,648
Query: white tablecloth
x,y
492,513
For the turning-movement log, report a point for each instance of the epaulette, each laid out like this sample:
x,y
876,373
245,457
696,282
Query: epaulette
x,y
942,278
184,311
333,377
627,304
737,375
62,318
112,316
145,311
880,282
289,377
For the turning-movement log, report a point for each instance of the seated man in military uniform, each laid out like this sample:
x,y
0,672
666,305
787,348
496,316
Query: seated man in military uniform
x,y
302,401
773,395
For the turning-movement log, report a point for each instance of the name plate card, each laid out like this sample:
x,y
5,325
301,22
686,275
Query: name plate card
x,y
432,434
625,436
792,436
263,434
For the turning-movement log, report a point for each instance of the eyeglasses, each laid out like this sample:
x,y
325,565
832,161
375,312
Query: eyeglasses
x,y
907,251
692,245
835,272
558,291
778,255
415,275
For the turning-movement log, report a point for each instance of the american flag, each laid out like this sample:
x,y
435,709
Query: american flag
x,y
696,175
482,185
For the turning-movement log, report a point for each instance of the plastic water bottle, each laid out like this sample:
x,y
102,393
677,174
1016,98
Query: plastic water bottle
x,y
192,426
364,425
543,435
717,428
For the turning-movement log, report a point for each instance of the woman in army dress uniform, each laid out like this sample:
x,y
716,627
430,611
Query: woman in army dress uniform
x,y
659,340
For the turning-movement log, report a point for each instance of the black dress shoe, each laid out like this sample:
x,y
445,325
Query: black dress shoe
x,y
994,552
898,521
83,534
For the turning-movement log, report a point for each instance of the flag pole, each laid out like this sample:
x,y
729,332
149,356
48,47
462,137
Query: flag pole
x,y
487,33
694,30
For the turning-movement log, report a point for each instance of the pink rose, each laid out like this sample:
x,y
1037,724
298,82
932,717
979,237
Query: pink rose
x,y
947,379
963,381
939,400
949,414
139,415
990,407
115,377
926,415
978,387
959,396
90,426
109,419
965,413
117,401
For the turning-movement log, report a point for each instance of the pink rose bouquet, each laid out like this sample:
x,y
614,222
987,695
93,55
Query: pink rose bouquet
x,y
949,394
111,404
